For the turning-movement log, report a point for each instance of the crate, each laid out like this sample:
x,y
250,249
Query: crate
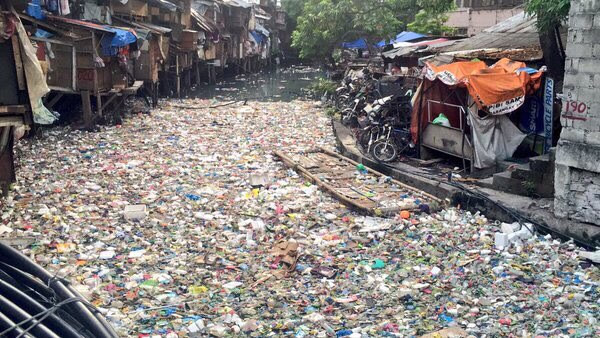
x,y
132,7
85,78
188,40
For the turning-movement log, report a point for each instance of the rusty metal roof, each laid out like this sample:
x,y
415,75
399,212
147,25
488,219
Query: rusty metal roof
x,y
517,32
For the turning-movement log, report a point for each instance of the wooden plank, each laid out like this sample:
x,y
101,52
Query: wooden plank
x,y
345,200
18,62
396,182
14,109
45,25
133,89
427,163
8,121
54,100
62,90
52,41
110,99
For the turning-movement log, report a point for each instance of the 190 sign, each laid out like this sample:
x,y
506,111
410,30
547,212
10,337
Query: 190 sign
x,y
576,107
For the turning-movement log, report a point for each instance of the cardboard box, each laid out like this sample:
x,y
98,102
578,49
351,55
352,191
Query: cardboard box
x,y
132,7
188,40
85,78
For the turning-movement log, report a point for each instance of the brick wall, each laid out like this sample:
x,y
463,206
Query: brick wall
x,y
577,178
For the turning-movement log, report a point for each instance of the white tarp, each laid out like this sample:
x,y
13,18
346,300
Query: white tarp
x,y
36,82
495,138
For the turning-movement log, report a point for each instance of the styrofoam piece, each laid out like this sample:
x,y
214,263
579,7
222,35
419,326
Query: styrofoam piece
x,y
135,212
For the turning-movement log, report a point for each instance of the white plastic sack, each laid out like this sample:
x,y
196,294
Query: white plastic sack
x,y
495,138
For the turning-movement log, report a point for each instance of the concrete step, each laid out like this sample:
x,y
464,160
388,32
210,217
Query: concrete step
x,y
541,164
521,172
504,182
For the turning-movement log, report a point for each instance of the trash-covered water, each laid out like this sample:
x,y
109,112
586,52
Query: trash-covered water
x,y
281,84
182,223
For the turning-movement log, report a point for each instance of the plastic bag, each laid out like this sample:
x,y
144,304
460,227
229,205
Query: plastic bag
x,y
441,120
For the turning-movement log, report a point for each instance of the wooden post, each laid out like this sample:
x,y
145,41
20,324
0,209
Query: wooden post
x,y
177,76
96,87
87,108
197,73
7,163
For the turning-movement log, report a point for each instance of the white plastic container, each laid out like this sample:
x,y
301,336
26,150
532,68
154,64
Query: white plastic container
x,y
135,212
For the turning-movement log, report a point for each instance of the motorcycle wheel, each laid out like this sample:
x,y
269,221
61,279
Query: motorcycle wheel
x,y
363,140
350,120
384,151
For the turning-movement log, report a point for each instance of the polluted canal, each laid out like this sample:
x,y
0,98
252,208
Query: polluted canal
x,y
183,222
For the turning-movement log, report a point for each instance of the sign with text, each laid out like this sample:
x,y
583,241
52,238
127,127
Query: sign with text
x,y
548,113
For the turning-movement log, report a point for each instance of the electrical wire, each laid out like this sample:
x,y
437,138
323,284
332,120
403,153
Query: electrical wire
x,y
521,219
80,315
42,315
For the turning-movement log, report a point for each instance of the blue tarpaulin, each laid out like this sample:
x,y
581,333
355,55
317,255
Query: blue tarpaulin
x,y
360,43
112,42
258,37
402,37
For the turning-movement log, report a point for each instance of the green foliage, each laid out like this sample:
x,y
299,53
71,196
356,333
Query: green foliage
x,y
550,13
323,86
432,17
428,23
323,24
293,8
331,112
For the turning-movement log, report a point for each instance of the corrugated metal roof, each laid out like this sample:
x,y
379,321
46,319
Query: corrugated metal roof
x,y
205,23
408,48
519,31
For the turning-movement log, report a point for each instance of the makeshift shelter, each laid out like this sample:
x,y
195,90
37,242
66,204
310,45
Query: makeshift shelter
x,y
356,44
153,42
401,37
88,59
476,100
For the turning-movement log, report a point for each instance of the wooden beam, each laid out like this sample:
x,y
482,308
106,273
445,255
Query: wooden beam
x,y
47,26
16,109
54,100
8,121
109,100
18,62
54,41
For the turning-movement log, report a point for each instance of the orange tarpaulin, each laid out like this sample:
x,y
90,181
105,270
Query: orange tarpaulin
x,y
499,89
453,73
500,92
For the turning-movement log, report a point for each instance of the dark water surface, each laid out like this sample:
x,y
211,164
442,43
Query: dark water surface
x,y
285,84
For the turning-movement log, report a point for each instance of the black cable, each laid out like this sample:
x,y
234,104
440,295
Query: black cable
x,y
15,313
91,320
41,316
516,216
28,281
30,305
6,322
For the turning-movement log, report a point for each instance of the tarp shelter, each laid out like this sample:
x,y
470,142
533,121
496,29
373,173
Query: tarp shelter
x,y
357,44
258,37
405,48
476,99
402,37
120,38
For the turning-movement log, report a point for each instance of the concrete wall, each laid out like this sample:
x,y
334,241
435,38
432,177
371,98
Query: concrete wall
x,y
472,21
577,178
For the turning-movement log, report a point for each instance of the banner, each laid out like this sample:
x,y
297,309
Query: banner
x,y
548,113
